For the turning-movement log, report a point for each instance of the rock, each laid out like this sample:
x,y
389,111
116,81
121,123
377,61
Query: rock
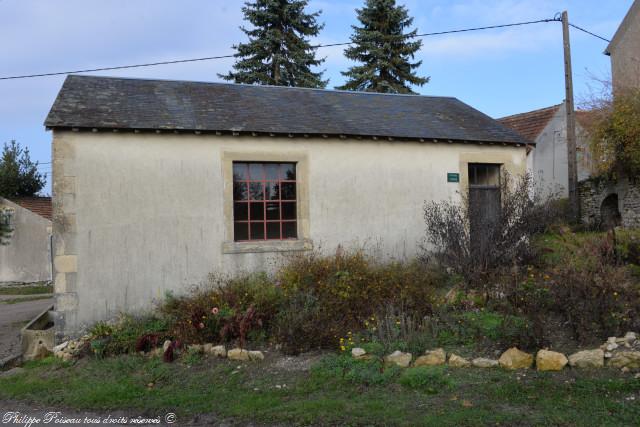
x,y
67,357
206,348
629,359
611,346
432,358
630,337
612,340
625,370
456,361
11,372
550,360
515,359
238,354
196,348
481,362
608,355
60,347
358,353
587,359
40,352
218,351
398,358
166,345
256,355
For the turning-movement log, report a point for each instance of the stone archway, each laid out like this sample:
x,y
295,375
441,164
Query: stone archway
x,y
609,213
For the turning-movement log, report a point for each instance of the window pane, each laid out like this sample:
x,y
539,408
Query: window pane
x,y
241,231
271,171
289,230
272,191
239,191
257,211
289,210
273,230
256,191
288,191
256,171
288,171
240,211
257,230
273,210
484,174
240,171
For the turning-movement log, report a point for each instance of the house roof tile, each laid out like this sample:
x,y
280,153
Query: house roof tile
x,y
531,123
39,205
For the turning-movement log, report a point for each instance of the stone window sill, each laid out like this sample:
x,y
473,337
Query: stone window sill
x,y
267,246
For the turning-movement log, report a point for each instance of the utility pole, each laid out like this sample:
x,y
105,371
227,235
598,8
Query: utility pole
x,y
572,160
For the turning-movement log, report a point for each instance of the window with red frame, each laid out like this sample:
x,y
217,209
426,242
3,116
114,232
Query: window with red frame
x,y
264,201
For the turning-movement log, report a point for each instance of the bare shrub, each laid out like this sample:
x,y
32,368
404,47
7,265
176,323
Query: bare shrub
x,y
463,239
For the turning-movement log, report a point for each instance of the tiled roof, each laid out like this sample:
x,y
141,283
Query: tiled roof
x,y
39,205
530,124
88,102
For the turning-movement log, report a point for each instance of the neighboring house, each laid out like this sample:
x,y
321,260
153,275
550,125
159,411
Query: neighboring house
x,y
605,202
157,184
547,162
27,256
624,50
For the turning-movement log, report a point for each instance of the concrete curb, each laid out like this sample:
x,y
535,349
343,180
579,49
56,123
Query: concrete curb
x,y
10,362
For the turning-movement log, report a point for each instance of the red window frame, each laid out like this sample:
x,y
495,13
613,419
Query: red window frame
x,y
264,201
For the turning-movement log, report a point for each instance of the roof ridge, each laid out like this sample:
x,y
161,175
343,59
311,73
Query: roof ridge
x,y
351,92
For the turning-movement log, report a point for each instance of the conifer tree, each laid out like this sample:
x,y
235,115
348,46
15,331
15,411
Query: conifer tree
x,y
278,51
384,50
19,176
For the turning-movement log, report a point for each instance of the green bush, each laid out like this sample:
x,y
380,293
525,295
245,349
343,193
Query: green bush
x,y
350,287
581,279
430,379
296,323
122,336
226,309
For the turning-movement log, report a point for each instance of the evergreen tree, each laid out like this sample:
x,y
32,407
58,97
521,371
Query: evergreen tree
x,y
278,52
384,50
19,176
5,226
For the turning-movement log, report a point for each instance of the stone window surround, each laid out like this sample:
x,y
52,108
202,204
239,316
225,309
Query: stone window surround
x,y
303,242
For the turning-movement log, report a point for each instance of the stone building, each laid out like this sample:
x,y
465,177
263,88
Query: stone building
x,y
605,203
624,51
26,256
157,184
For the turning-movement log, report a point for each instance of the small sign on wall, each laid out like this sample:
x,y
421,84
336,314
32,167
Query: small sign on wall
x,y
453,177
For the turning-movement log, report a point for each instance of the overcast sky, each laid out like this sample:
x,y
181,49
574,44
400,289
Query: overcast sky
x,y
499,72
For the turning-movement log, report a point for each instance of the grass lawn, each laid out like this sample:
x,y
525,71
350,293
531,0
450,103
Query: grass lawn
x,y
24,299
335,391
26,289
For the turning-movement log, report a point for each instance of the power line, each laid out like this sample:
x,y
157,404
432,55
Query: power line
x,y
209,58
589,32
320,46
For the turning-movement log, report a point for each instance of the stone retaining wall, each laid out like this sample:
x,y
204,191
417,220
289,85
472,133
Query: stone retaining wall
x,y
594,191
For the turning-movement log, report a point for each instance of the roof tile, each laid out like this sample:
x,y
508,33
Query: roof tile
x,y
119,103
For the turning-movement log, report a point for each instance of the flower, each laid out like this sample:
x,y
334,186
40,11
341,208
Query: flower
x,y
214,310
201,325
